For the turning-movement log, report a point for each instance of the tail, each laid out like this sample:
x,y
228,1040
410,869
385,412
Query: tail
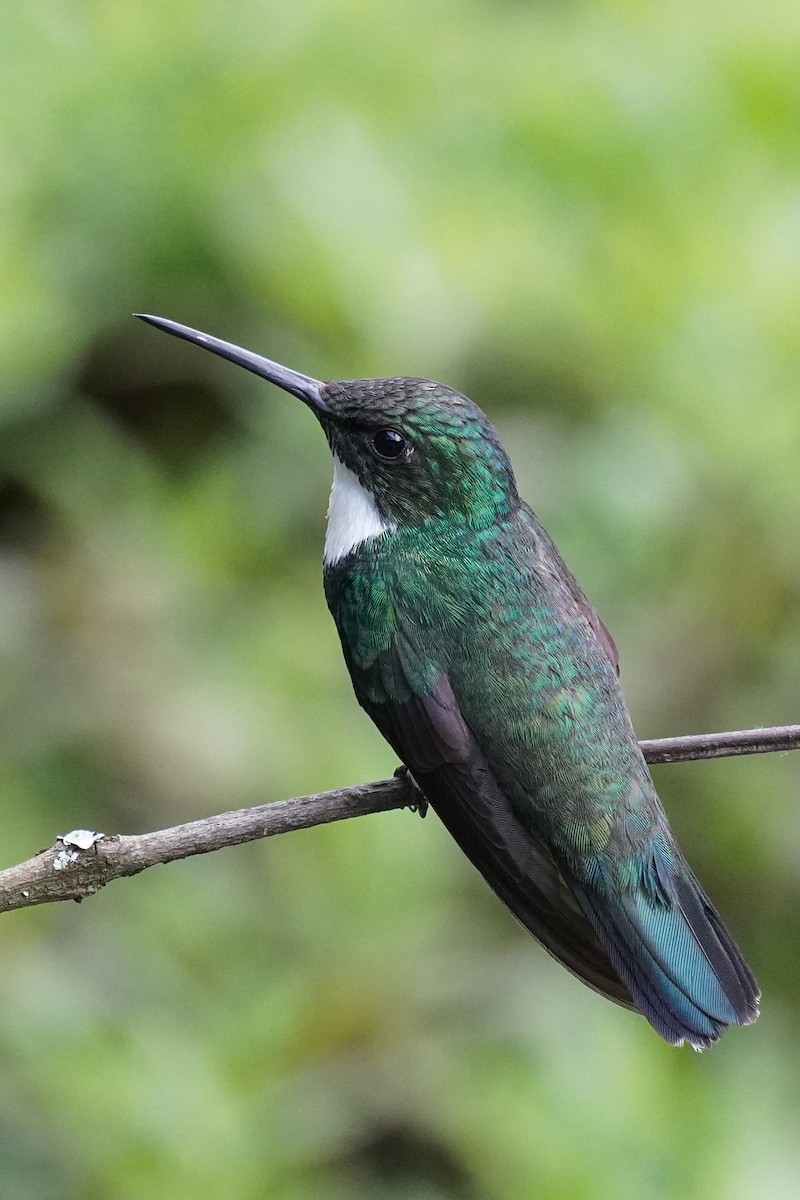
x,y
682,967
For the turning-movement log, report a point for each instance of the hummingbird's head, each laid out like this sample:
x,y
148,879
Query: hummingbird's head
x,y
417,449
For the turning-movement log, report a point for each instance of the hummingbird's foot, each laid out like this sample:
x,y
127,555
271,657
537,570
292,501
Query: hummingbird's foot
x,y
419,804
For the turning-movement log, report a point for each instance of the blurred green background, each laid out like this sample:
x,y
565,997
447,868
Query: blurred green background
x,y
586,215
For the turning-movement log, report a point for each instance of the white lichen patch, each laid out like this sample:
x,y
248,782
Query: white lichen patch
x,y
64,859
82,838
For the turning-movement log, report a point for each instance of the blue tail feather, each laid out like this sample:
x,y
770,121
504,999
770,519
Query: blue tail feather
x,y
682,967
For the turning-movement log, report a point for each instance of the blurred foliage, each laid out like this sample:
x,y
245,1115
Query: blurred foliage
x,y
586,215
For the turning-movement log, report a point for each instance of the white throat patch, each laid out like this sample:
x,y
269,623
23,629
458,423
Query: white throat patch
x,y
353,516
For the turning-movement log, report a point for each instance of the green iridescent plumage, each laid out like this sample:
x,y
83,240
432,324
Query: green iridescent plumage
x,y
476,654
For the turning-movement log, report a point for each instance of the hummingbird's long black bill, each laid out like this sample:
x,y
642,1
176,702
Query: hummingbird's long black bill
x,y
303,386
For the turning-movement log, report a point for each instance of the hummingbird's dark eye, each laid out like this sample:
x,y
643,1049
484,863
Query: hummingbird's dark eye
x,y
390,444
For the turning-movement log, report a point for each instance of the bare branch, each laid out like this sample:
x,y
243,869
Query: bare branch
x,y
68,871
64,872
695,746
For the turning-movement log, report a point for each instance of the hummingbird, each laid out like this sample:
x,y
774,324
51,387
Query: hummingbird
x,y
476,654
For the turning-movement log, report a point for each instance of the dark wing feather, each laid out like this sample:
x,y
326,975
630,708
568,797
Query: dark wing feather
x,y
429,734
552,561
599,627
